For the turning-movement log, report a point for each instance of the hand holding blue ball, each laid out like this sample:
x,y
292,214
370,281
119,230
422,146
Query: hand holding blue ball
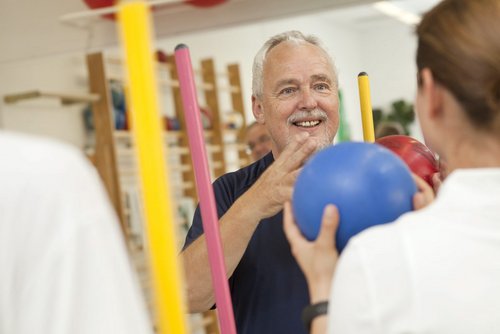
x,y
368,183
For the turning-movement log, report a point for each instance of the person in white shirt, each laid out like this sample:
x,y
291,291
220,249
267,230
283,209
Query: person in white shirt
x,y
63,262
435,270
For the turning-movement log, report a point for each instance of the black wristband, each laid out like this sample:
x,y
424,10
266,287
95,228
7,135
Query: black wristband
x,y
312,311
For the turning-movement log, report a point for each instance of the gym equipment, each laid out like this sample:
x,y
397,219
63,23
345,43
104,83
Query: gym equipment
x,y
205,3
135,28
96,4
419,158
366,107
368,183
205,190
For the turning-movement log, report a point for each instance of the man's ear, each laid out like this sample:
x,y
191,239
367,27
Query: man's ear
x,y
257,110
432,93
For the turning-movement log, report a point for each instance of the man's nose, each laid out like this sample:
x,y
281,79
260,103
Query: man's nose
x,y
307,101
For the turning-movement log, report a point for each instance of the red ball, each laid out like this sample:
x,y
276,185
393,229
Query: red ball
x,y
419,158
95,4
205,3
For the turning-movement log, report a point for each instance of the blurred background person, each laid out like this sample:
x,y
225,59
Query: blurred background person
x,y
258,141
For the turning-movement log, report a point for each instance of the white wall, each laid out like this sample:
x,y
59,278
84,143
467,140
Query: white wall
x,y
241,44
386,53
389,59
44,116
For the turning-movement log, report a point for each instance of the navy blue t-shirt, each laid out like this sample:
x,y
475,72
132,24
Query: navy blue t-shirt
x,y
268,289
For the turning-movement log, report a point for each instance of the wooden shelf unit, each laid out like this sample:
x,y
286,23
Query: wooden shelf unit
x,y
114,147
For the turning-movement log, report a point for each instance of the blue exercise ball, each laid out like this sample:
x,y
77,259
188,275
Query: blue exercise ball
x,y
368,183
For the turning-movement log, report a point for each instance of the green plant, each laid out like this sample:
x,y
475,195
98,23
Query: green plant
x,y
401,113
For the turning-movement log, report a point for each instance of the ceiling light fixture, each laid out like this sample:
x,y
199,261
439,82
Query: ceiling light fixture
x,y
392,10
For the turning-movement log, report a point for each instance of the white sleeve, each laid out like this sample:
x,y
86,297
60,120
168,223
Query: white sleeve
x,y
351,309
75,274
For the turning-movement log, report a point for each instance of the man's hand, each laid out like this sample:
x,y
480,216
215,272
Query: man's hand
x,y
275,185
264,199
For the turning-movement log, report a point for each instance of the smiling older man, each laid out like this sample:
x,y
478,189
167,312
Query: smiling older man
x,y
295,97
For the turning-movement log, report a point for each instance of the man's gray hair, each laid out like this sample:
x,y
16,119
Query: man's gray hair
x,y
288,36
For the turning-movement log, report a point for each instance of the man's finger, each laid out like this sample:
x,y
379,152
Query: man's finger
x,y
297,151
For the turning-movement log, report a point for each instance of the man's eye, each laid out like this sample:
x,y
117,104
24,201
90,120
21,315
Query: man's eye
x,y
287,91
321,86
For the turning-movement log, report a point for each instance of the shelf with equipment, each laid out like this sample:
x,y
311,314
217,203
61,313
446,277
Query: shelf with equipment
x,y
115,159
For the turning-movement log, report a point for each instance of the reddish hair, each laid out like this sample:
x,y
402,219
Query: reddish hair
x,y
459,41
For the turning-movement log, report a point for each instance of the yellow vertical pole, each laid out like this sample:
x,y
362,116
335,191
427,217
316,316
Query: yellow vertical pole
x,y
366,107
135,28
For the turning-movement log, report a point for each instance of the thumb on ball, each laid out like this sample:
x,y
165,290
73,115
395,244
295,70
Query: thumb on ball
x,y
329,225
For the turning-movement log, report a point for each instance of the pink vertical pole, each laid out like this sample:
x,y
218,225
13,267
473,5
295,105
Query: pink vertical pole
x,y
205,190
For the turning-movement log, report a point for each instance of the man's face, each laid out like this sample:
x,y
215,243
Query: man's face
x,y
299,94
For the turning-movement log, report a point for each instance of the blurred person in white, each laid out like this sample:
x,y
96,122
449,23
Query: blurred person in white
x,y
63,261
435,270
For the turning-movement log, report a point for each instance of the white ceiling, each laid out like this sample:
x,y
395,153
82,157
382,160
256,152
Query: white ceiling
x,y
366,16
32,28
416,6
